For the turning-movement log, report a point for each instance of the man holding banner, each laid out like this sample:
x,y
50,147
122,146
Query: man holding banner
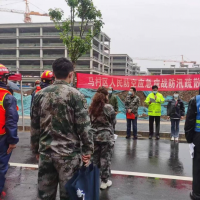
x,y
154,101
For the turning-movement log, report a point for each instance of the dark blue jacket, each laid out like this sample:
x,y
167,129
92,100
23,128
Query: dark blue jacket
x,y
42,85
12,117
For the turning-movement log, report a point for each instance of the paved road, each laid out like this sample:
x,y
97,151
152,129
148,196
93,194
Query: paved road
x,y
21,185
143,125
151,157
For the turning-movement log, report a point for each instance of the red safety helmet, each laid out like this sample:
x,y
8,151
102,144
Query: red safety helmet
x,y
47,75
3,71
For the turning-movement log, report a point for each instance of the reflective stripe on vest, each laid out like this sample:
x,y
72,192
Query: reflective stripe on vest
x,y
3,93
197,127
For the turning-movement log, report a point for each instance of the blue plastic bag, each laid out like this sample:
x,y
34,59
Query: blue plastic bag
x,y
84,184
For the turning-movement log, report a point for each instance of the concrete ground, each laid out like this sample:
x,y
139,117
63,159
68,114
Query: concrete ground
x,y
141,170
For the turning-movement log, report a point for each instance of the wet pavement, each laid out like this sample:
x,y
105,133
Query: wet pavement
x,y
21,184
143,125
146,156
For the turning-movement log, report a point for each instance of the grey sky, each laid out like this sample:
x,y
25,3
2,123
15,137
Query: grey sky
x,y
140,28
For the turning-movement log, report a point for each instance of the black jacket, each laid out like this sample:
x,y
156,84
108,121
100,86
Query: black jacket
x,y
190,122
175,110
42,85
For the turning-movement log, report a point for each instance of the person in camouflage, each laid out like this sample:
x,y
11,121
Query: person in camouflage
x,y
113,100
132,103
103,118
60,132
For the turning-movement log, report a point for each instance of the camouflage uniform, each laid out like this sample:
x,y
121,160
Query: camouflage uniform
x,y
103,133
132,102
60,133
113,101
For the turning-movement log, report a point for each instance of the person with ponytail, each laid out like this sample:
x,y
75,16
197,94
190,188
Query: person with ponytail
x,y
103,120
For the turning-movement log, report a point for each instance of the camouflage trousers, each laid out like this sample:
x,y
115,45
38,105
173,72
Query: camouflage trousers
x,y
102,158
54,170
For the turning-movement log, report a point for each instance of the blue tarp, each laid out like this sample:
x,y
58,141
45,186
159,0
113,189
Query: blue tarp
x,y
89,95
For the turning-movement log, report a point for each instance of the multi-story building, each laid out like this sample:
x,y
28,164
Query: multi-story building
x,y
169,71
122,64
142,73
31,48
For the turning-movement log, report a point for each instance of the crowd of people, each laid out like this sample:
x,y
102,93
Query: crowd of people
x,y
65,133
175,112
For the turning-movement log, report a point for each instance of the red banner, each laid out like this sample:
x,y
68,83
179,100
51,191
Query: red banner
x,y
141,83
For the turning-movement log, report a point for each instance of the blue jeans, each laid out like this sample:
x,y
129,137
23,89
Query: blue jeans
x,y
4,159
134,123
175,127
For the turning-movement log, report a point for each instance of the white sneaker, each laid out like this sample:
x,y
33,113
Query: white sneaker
x,y
177,139
103,186
172,138
109,183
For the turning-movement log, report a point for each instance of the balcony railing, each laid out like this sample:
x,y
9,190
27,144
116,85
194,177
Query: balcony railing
x,y
7,45
11,67
97,59
85,57
29,44
7,34
53,55
119,67
29,67
30,55
7,56
47,67
82,67
53,44
97,69
118,73
51,33
107,46
119,61
97,48
107,54
29,34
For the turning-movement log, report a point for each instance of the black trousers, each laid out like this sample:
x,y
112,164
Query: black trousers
x,y
151,123
196,166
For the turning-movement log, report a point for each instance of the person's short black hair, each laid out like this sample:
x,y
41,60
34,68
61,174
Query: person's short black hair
x,y
134,89
177,92
62,67
154,87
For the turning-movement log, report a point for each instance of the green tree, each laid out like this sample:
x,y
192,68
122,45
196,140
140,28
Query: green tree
x,y
89,20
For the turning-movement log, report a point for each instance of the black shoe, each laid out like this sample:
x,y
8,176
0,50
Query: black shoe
x,y
135,138
158,138
150,137
191,196
194,196
128,137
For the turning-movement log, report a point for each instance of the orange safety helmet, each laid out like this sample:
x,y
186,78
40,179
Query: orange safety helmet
x,y
47,76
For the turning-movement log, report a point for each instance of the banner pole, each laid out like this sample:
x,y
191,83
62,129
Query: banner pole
x,y
22,105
